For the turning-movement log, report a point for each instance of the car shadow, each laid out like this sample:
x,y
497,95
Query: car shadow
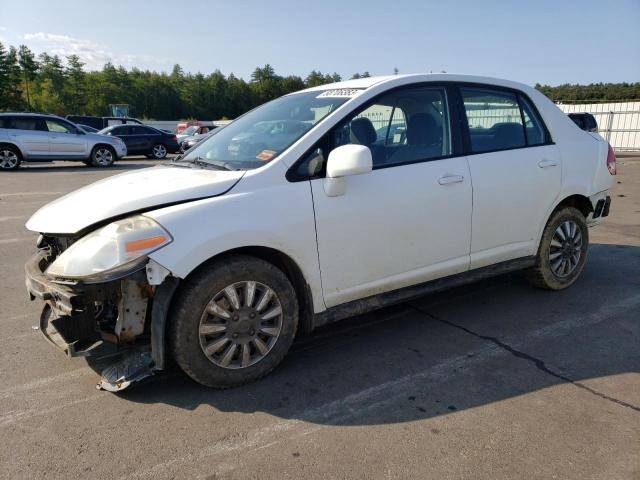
x,y
459,349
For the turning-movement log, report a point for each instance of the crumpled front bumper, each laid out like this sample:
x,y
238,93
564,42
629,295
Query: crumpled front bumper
x,y
68,316
127,316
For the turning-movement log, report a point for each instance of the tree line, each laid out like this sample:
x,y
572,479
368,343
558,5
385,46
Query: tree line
x,y
47,83
592,92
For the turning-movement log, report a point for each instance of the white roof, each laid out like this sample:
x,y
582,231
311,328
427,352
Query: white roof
x,y
365,83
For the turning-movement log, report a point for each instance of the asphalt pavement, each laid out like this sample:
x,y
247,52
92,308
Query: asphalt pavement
x,y
496,380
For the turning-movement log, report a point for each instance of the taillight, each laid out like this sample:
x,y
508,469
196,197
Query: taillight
x,y
611,161
175,139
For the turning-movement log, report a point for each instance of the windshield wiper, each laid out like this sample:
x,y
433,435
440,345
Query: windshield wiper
x,y
213,163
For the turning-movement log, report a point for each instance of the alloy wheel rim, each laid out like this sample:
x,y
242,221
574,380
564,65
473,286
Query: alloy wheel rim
x,y
159,151
566,249
240,325
103,156
8,159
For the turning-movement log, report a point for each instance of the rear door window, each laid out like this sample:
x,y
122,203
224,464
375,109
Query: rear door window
x,y
29,123
494,120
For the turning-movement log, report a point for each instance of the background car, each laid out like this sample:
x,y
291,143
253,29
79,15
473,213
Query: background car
x,y
193,131
87,128
585,121
102,122
192,140
32,137
144,140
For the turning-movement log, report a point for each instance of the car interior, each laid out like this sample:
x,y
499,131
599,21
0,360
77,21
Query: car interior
x,y
401,127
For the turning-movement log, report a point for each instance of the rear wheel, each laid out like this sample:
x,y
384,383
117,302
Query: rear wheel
x,y
233,322
102,156
158,151
562,252
10,158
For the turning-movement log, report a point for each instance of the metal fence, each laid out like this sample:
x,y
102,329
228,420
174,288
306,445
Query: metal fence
x,y
618,123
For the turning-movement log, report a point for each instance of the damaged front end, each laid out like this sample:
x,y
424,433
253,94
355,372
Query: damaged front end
x,y
121,315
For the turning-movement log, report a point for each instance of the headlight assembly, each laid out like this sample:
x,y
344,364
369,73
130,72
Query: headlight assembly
x,y
111,251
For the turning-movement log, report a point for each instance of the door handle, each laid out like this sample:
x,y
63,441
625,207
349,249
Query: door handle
x,y
449,179
547,163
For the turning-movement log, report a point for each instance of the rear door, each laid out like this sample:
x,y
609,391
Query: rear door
x,y
515,169
31,135
65,141
409,220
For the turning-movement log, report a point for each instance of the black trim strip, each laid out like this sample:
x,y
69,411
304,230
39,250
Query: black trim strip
x,y
357,307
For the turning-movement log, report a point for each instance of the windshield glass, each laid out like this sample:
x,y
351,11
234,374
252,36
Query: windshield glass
x,y
189,131
262,134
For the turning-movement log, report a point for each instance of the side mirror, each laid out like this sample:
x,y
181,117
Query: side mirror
x,y
345,161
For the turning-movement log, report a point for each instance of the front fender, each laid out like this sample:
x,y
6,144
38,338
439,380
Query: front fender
x,y
279,217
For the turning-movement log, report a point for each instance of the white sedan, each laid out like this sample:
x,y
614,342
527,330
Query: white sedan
x,y
358,195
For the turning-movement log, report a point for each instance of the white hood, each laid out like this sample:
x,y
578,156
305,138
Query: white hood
x,y
128,192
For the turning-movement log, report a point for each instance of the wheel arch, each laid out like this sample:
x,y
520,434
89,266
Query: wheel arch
x,y
581,202
576,200
288,266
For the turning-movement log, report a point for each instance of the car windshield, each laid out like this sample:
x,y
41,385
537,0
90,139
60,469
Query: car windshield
x,y
190,130
262,134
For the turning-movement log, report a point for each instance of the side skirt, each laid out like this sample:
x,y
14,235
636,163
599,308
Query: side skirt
x,y
357,307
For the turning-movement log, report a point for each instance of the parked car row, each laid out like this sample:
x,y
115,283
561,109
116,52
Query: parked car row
x,y
30,137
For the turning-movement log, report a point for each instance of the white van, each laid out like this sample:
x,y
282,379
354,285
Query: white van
x,y
314,207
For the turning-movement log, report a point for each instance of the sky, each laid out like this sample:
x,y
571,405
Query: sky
x,y
550,42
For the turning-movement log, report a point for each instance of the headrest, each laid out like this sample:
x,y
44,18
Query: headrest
x,y
422,130
508,135
362,132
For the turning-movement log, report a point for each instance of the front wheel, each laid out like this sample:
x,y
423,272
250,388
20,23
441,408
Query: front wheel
x,y
102,157
233,322
562,252
159,151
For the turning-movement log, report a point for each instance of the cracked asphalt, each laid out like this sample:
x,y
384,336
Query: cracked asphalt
x,y
495,380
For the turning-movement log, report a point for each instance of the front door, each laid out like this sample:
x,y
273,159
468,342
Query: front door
x,y
65,141
407,221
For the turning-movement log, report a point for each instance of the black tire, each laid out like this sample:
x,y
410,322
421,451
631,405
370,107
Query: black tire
x,y
10,157
102,156
543,274
159,151
188,309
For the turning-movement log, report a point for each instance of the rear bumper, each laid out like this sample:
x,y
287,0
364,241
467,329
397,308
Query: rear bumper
x,y
601,203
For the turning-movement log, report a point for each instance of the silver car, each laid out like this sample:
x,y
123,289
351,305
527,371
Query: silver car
x,y
30,137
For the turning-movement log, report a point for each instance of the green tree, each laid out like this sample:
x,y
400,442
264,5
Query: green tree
x,y
29,67
75,91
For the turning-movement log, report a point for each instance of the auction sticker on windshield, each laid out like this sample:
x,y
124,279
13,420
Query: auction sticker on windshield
x,y
266,155
339,92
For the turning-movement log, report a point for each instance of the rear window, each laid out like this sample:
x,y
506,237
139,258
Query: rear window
x,y
501,120
4,122
494,119
29,123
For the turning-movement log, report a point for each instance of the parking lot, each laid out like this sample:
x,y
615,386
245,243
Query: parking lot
x,y
493,380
